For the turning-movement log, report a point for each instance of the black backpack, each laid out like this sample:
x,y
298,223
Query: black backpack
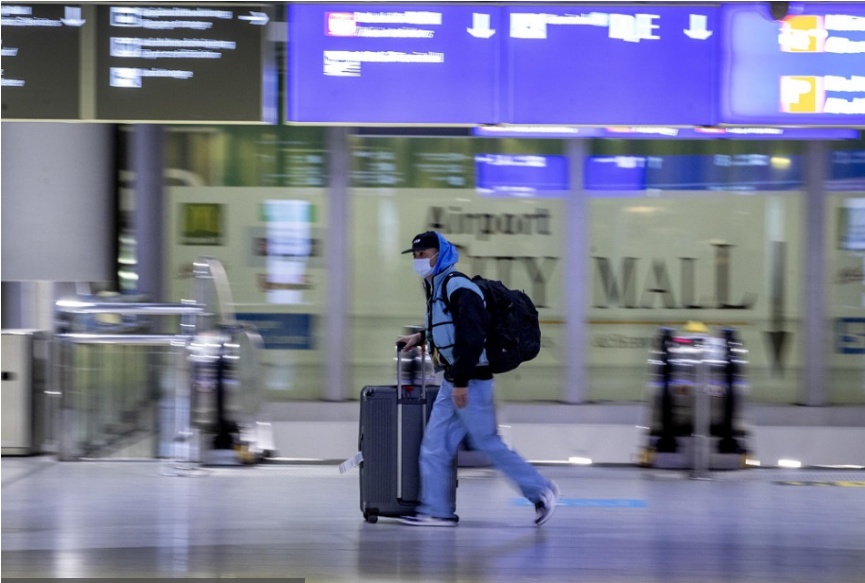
x,y
514,333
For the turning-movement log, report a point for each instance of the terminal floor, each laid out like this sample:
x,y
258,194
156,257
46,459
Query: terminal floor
x,y
614,524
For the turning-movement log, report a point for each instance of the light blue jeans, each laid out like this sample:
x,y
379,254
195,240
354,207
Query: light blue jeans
x,y
446,429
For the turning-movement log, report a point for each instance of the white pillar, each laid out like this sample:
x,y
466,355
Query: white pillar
x,y
813,390
335,349
576,280
58,202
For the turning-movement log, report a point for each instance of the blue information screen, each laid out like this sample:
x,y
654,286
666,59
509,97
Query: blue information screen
x,y
515,175
743,172
807,69
612,64
392,63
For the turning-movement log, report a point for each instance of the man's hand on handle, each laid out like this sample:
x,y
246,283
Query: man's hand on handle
x,y
409,341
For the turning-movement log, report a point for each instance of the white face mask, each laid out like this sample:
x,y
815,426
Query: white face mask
x,y
422,267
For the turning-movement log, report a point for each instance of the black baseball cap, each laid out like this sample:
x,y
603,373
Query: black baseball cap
x,y
428,240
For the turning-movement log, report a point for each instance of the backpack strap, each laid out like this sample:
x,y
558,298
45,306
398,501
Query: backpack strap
x,y
445,295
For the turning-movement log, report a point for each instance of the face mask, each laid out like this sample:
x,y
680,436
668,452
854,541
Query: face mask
x,y
422,267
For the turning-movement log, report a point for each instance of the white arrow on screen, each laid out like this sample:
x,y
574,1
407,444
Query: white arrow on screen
x,y
259,18
72,16
697,28
481,26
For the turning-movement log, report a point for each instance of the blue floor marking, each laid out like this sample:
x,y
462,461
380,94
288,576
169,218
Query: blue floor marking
x,y
590,503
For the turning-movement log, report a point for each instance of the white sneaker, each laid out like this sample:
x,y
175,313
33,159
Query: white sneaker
x,y
545,507
424,520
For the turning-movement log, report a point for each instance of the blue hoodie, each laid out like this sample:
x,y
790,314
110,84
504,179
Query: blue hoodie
x,y
448,255
459,334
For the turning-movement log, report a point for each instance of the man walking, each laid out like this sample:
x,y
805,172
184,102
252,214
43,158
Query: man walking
x,y
456,333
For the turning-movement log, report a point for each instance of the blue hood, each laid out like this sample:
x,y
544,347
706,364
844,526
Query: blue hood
x,y
448,255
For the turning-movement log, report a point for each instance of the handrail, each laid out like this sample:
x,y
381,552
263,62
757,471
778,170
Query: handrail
x,y
143,309
218,295
124,339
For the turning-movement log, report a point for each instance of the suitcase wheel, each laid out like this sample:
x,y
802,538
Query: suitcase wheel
x,y
370,518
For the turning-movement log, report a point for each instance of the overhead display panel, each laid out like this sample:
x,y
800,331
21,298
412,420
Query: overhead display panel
x,y
611,64
540,131
392,63
730,133
808,69
184,62
41,61
667,133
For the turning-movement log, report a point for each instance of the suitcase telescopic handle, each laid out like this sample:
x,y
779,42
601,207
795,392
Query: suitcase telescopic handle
x,y
399,348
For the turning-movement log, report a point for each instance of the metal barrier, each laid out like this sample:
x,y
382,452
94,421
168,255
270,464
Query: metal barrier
x,y
696,401
118,387
107,384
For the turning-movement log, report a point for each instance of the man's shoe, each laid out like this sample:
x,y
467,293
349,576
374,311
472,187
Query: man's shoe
x,y
424,520
545,507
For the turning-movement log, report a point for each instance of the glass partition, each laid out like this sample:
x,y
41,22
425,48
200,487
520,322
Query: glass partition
x,y
694,231
255,199
708,231
499,201
845,275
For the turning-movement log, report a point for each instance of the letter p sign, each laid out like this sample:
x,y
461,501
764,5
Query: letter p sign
x,y
802,94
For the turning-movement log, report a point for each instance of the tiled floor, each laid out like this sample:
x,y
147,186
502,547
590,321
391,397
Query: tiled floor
x,y
126,519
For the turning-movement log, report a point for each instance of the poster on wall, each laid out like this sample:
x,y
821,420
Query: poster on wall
x,y
288,246
201,224
269,244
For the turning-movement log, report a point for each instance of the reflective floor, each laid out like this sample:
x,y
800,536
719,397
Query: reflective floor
x,y
126,519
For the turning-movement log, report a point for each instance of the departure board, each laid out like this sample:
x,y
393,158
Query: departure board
x,y
610,64
184,62
41,61
391,63
807,69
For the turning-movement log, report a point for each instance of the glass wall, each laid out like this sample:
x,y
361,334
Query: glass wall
x,y
845,274
711,231
471,191
695,231
255,198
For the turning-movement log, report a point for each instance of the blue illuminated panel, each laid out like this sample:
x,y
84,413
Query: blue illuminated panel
x,y
666,133
742,172
606,65
391,63
729,133
283,331
847,174
808,69
557,132
515,175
